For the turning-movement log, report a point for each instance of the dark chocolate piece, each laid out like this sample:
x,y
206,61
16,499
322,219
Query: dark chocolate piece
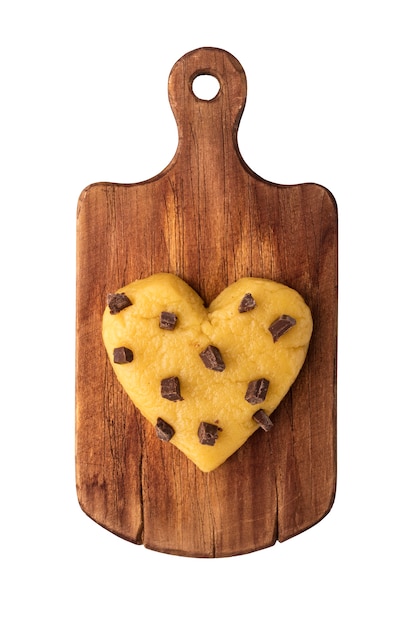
x,y
263,420
117,302
247,303
167,320
170,389
208,433
256,391
212,359
122,355
281,325
164,431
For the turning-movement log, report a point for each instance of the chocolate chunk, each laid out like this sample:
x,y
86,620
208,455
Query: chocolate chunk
x,y
164,431
263,420
281,325
257,390
117,302
122,355
170,389
247,303
167,320
208,433
212,359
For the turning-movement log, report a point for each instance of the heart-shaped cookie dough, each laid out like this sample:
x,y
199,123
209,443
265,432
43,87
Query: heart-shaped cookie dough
x,y
207,378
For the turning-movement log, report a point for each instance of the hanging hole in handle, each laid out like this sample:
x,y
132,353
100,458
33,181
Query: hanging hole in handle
x,y
205,86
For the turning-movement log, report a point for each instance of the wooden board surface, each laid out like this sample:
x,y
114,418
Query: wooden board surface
x,y
211,220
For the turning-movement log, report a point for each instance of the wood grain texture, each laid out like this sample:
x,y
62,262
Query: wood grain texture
x,y
211,220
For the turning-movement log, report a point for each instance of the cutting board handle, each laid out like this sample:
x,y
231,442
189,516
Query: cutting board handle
x,y
207,124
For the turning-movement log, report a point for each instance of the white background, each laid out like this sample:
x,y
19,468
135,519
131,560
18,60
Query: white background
x,y
331,100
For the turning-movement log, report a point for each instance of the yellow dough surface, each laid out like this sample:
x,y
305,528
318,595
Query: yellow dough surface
x,y
218,397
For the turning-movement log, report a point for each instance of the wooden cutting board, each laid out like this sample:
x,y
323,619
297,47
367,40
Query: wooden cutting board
x,y
211,220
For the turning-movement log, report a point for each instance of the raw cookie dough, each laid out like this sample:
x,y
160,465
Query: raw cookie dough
x,y
207,378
